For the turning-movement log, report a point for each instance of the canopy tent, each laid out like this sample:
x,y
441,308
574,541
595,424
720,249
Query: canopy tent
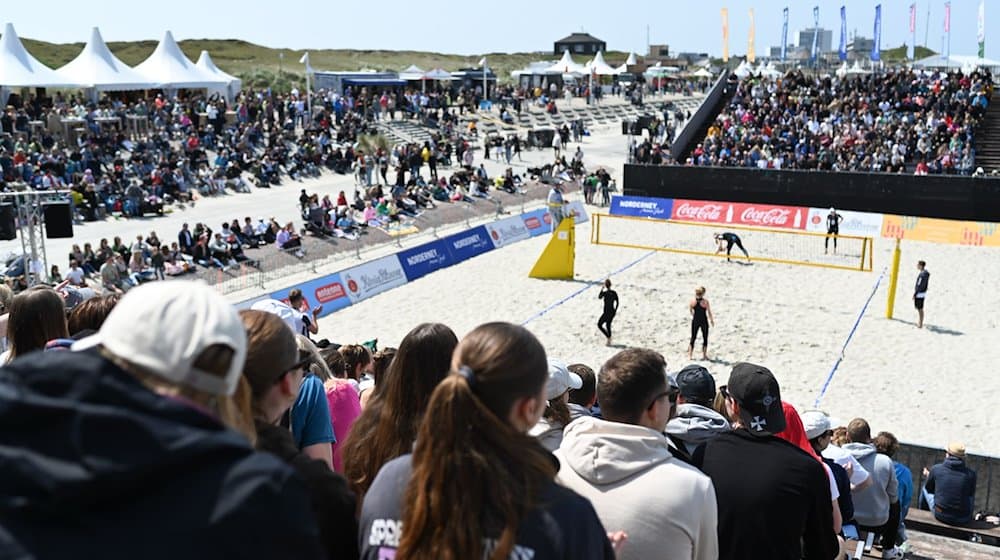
x,y
856,69
767,70
567,66
412,73
438,74
630,60
660,71
702,73
956,61
842,71
233,84
169,68
19,69
600,67
743,70
96,67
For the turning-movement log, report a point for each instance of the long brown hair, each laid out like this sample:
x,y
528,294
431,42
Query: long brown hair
x,y
469,458
37,315
388,425
355,355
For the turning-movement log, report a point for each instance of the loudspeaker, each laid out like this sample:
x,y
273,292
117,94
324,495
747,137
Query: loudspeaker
x,y
8,230
58,220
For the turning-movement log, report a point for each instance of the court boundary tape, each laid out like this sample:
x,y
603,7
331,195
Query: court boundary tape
x,y
850,336
590,284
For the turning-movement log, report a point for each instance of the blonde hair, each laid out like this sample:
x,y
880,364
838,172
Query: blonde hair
x,y
317,365
699,291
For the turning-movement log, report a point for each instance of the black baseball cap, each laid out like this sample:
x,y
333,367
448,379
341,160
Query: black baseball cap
x,y
695,383
756,390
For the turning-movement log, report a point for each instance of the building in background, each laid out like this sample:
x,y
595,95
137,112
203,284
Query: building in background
x,y
825,43
580,44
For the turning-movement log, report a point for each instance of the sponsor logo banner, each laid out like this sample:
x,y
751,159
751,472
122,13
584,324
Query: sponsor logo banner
x,y
739,213
578,211
366,280
329,291
424,259
643,207
953,232
864,224
468,244
508,230
537,222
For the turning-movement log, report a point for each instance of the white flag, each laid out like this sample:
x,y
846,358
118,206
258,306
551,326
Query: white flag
x,y
482,61
305,60
981,35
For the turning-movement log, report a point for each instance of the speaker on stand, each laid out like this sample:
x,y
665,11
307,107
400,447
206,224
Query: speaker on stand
x,y
58,220
8,227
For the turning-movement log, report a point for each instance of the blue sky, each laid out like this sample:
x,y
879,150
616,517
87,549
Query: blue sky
x,y
476,27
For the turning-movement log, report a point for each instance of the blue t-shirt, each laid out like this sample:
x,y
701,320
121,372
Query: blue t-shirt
x,y
310,415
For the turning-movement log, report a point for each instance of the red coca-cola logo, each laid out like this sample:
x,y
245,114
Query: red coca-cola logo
x,y
532,223
772,217
816,219
352,285
698,212
495,234
547,218
330,292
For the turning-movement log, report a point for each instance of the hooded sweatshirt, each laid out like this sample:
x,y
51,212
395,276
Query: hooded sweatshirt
x,y
548,432
696,424
871,505
666,506
93,464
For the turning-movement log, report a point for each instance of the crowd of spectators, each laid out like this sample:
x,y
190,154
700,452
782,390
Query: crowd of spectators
x,y
319,450
900,121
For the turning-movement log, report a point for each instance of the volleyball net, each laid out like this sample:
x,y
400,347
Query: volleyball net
x,y
779,246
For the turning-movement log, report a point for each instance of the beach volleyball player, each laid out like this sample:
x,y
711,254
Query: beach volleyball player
x,y
701,315
833,220
725,242
610,298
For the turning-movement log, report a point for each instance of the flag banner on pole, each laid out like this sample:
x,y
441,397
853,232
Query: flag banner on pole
x,y
725,35
751,53
843,34
305,60
947,17
482,61
877,35
981,35
784,35
815,46
913,18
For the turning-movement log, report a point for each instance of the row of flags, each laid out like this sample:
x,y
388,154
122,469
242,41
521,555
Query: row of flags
x,y
842,48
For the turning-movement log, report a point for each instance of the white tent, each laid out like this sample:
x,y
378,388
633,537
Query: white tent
x,y
856,69
567,66
438,74
702,73
233,84
412,73
630,60
956,61
19,69
743,70
169,67
600,67
96,67
842,71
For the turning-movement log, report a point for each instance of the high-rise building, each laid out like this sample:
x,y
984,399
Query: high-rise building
x,y
824,44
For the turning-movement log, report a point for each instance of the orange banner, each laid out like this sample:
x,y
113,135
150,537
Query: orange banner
x,y
725,34
984,234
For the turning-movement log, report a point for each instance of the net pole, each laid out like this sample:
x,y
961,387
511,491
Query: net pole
x,y
893,280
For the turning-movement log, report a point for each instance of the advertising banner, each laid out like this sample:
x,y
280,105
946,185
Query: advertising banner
x,y
508,230
864,224
371,278
425,259
328,291
741,214
538,222
578,211
641,207
468,244
953,232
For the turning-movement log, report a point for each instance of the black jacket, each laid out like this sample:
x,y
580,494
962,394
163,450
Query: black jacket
x,y
774,499
954,487
333,503
94,465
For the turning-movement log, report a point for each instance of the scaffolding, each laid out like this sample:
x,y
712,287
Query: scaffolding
x,y
30,222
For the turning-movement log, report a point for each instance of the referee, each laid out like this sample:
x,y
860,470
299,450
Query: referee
x,y
833,220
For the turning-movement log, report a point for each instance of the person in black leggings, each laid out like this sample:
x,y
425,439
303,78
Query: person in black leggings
x,y
701,315
610,298
729,239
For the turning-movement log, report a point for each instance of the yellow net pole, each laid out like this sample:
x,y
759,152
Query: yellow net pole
x,y
893,280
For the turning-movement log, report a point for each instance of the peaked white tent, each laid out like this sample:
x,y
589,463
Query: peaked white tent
x,y
169,68
438,74
600,67
233,84
19,69
956,61
414,73
702,73
567,66
96,67
631,59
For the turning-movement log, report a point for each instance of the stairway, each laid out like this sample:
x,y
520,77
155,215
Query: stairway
x,y
988,139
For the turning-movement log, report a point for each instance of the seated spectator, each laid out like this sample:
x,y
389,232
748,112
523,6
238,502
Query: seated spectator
x,y
342,401
111,279
625,467
76,275
287,240
582,400
694,422
309,418
37,315
887,444
816,425
221,251
174,401
876,508
950,489
549,429
89,316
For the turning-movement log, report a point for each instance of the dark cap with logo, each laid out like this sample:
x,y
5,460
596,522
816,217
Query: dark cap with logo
x,y
756,390
695,383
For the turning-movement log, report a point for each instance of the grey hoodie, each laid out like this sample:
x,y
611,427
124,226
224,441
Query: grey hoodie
x,y
667,507
871,505
578,411
696,424
549,433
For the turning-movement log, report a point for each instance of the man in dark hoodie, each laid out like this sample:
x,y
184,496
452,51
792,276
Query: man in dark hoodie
x,y
950,490
695,422
127,446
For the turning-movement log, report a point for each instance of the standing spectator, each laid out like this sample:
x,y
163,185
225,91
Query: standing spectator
x,y
694,423
472,454
549,429
887,444
876,508
295,313
950,490
185,240
777,502
624,465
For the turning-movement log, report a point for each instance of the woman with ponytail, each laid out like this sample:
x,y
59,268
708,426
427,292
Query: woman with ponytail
x,y
476,485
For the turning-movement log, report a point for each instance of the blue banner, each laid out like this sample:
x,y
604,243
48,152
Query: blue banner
x,y
877,35
843,33
538,222
425,259
468,244
784,34
642,207
328,291
815,47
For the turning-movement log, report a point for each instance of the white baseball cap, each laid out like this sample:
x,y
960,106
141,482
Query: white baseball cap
x,y
815,423
165,326
561,379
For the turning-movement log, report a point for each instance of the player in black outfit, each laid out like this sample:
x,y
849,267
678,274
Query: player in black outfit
x,y
610,298
701,314
833,220
729,239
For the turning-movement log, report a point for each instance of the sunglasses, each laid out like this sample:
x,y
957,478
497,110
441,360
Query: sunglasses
x,y
671,394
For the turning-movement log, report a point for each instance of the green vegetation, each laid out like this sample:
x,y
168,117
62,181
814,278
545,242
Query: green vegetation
x,y
260,66
899,53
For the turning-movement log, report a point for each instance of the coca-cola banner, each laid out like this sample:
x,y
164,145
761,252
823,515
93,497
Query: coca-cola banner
x,y
642,207
739,213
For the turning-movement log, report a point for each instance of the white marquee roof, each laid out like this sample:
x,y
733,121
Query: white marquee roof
x,y
567,66
169,67
600,67
19,69
97,67
205,63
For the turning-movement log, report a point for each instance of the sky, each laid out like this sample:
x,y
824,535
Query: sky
x,y
475,27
